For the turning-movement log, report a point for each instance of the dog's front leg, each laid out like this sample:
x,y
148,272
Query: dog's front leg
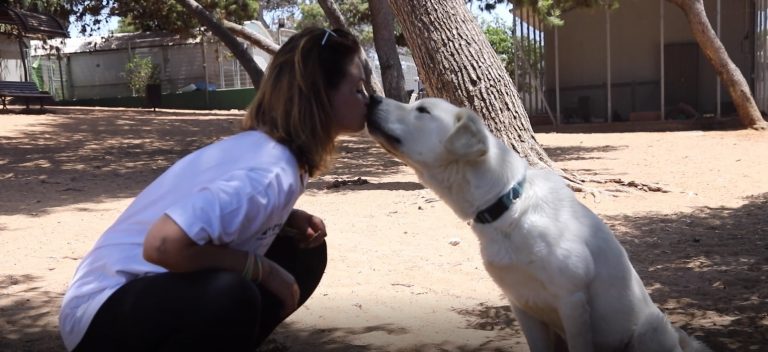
x,y
574,313
539,335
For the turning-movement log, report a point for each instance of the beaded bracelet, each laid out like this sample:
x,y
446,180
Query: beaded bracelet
x,y
248,269
258,265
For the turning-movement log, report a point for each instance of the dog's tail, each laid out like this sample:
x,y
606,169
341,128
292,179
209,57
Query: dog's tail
x,y
655,333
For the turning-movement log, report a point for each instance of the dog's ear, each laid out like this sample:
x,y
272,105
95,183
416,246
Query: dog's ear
x,y
468,140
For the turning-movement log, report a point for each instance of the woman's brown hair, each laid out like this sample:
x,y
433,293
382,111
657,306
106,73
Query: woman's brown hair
x,y
293,102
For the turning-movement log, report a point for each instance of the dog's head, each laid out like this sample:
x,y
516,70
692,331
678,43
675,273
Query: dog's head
x,y
449,147
429,133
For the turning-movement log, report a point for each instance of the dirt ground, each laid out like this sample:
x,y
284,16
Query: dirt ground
x,y
404,274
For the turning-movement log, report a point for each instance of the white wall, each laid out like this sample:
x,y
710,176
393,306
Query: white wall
x,y
11,67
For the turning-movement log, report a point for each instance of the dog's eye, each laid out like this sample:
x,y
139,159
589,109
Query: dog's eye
x,y
422,110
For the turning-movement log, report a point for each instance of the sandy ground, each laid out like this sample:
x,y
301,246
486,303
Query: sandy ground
x,y
395,282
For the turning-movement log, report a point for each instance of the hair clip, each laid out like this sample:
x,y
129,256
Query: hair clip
x,y
327,32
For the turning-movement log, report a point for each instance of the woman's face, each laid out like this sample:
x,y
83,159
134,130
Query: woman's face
x,y
349,101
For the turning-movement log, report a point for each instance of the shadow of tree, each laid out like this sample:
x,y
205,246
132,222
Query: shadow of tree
x,y
575,153
706,269
490,318
289,337
359,156
85,155
27,320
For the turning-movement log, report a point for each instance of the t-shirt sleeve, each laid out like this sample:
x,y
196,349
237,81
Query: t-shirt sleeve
x,y
238,203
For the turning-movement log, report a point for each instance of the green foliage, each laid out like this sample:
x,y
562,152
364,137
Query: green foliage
x,y
311,15
140,71
514,51
142,15
151,15
355,12
126,25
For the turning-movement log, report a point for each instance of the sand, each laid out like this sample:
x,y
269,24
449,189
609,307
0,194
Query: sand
x,y
404,273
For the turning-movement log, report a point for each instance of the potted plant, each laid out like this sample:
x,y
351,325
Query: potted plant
x,y
143,77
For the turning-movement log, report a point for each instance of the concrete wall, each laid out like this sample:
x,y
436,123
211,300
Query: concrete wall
x,y
635,54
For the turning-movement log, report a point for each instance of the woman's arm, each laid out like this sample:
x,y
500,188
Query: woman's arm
x,y
167,245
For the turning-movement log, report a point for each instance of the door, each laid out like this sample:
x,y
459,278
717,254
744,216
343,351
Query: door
x,y
681,67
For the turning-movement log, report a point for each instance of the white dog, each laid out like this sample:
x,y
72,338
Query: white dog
x,y
562,269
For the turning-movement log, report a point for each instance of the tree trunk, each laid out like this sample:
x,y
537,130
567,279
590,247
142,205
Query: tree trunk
x,y
331,11
238,50
252,37
457,63
730,75
383,23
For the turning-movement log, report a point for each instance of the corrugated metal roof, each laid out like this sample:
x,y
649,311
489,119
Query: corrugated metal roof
x,y
33,24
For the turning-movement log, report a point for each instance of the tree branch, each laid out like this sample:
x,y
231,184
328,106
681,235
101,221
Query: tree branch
x,y
252,37
238,50
333,13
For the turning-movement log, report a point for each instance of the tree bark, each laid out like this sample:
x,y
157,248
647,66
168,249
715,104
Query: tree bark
x,y
713,49
252,37
457,63
332,12
238,50
383,23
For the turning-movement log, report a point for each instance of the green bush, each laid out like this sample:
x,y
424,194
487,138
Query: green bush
x,y
140,71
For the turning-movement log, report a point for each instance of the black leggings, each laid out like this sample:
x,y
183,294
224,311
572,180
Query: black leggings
x,y
210,310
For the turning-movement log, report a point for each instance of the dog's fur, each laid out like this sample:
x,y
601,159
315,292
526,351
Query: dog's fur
x,y
562,269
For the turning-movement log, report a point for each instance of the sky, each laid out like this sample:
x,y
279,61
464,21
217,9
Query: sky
x,y
501,11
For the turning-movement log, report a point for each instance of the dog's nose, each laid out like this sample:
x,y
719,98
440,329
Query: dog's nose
x,y
374,101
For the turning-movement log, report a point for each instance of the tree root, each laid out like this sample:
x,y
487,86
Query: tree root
x,y
578,184
645,187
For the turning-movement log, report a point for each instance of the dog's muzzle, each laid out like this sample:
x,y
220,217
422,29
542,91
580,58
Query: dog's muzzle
x,y
373,122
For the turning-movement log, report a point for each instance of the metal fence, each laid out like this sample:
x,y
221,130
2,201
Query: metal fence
x,y
761,54
528,72
100,74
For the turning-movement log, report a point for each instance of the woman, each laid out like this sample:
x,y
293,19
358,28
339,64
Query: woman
x,y
195,262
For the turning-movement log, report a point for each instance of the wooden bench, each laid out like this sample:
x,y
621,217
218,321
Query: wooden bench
x,y
26,90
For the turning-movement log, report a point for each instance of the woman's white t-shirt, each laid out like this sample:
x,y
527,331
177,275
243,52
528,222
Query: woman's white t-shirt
x,y
236,192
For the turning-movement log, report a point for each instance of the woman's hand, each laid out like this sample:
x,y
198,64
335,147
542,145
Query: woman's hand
x,y
307,229
280,282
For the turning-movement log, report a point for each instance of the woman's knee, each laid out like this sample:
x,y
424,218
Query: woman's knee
x,y
313,263
230,293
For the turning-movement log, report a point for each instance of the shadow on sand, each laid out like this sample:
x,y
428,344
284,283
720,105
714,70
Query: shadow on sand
x,y
88,155
28,315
